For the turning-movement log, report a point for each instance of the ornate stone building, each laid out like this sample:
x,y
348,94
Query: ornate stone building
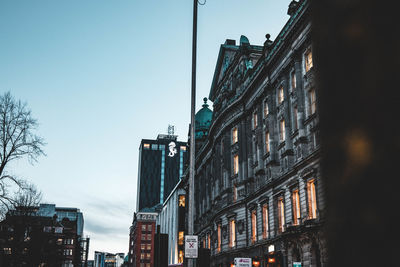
x,y
258,188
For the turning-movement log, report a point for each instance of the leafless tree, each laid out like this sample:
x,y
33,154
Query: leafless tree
x,y
27,196
17,140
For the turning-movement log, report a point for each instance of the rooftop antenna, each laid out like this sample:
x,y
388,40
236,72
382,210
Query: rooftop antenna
x,y
171,129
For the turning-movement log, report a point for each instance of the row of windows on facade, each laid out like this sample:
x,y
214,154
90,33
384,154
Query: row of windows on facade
x,y
147,227
292,88
282,129
59,241
159,147
296,214
268,139
67,252
146,236
144,256
66,263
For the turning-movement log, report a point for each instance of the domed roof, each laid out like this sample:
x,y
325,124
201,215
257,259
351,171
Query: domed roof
x,y
203,120
244,40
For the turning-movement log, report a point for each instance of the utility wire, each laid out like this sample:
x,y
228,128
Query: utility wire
x,y
202,4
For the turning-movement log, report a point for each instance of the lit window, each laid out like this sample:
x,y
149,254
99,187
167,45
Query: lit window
x,y
295,118
143,227
181,236
208,241
180,256
280,95
148,246
181,201
232,234
234,135
183,148
219,238
142,247
235,164
312,101
67,252
293,79
282,130
142,256
308,60
265,220
281,215
266,109
146,146
312,200
7,251
255,122
253,226
147,255
296,207
267,142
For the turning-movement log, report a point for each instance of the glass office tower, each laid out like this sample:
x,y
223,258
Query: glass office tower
x,y
161,165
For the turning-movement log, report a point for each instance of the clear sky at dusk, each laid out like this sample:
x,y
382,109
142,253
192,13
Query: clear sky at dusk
x,y
100,75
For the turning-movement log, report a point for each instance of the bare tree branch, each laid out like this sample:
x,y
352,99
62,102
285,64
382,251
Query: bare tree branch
x,y
17,140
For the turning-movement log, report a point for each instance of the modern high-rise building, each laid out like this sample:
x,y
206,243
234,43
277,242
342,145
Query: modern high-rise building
x,y
161,164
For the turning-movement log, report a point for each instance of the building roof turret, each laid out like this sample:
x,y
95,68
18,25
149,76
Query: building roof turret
x,y
203,120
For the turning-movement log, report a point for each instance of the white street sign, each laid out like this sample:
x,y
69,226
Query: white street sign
x,y
191,245
243,262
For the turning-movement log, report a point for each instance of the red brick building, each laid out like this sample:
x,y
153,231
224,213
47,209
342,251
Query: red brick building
x,y
141,241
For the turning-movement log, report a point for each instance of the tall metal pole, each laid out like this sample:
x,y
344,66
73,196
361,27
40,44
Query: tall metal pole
x,y
192,133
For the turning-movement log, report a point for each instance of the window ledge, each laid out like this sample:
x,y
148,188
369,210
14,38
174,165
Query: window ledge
x,y
281,144
310,118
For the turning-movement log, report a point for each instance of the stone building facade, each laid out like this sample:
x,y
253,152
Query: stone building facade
x,y
258,188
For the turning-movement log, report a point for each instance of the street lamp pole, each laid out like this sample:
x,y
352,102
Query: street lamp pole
x,y
192,128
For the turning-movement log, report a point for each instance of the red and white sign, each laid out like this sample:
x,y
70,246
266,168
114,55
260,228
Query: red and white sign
x,y
191,245
243,262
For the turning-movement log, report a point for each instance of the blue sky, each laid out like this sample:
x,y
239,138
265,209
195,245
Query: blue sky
x,y
100,75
